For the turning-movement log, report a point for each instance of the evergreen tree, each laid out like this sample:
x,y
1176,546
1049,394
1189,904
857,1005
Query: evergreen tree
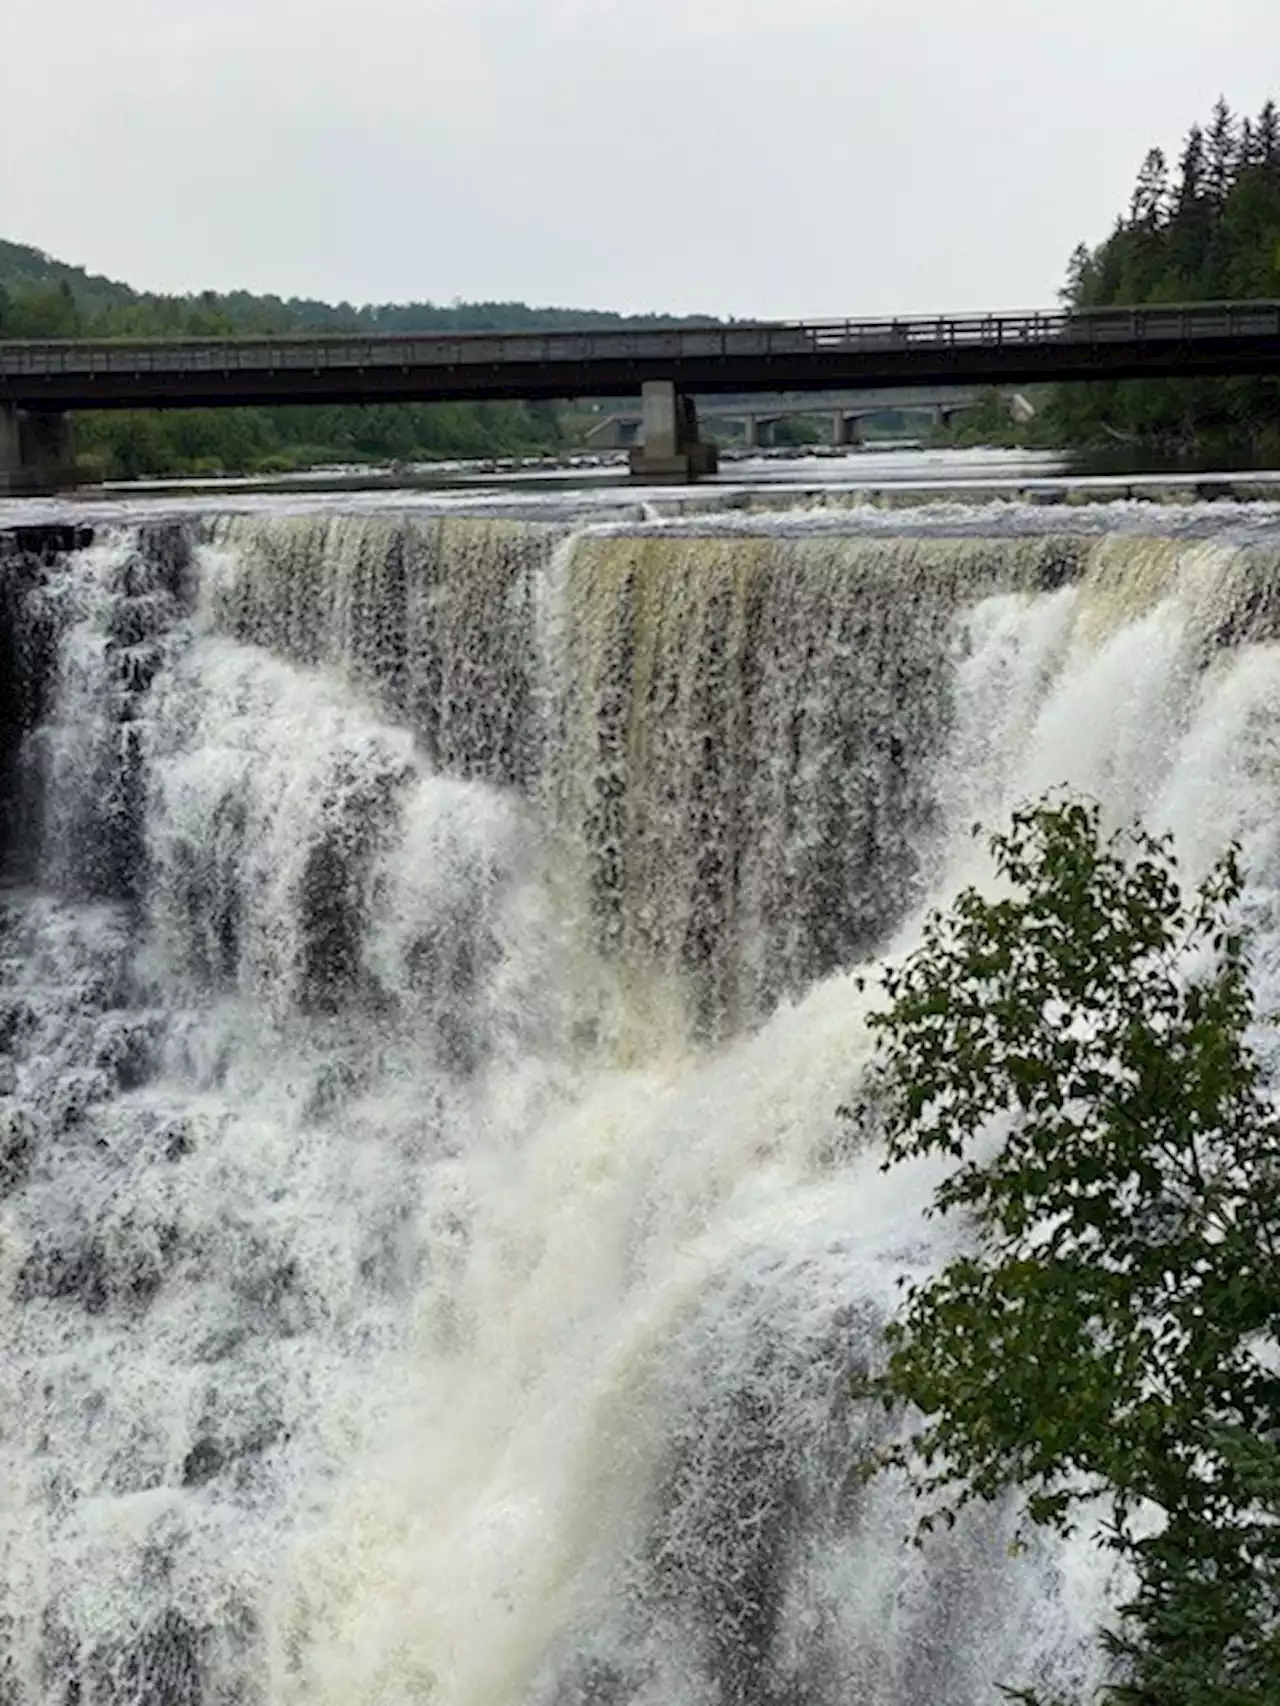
x,y
1076,292
1268,135
1150,206
1191,169
1221,155
1213,235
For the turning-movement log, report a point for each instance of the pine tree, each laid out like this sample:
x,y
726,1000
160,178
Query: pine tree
x,y
1191,168
1149,208
1268,135
1221,155
1076,292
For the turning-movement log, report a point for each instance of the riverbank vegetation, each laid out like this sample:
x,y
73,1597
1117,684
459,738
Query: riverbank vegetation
x,y
45,298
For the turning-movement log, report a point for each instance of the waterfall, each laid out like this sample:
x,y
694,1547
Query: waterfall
x,y
431,1257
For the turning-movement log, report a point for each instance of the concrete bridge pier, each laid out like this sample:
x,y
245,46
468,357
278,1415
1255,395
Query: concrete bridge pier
x,y
846,430
758,431
672,451
35,450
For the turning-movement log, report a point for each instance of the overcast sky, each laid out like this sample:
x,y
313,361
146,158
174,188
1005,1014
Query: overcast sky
x,y
753,157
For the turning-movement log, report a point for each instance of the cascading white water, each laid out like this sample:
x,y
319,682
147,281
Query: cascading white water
x,y
431,1255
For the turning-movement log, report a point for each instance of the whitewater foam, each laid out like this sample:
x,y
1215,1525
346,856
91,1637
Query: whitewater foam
x,y
432,1257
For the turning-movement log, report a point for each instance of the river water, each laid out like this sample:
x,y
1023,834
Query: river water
x,y
431,1259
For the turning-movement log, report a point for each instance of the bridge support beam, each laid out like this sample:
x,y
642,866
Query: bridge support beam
x,y
672,451
35,451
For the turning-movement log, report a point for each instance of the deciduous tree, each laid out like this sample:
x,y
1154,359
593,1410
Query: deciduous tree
x,y
1082,1049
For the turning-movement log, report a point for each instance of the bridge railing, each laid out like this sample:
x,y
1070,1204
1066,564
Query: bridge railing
x,y
1089,326
316,353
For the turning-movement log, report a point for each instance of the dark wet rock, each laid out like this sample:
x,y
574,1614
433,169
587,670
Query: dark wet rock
x,y
18,1133
125,1049
334,898
58,1272
177,1139
338,1080
165,1666
221,1345
18,1019
238,1418
140,1261
75,1093
211,1456
75,814
106,986
591,1682
272,1298
123,1269
202,1463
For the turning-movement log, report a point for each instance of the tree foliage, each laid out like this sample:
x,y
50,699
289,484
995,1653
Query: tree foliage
x,y
1209,233
1083,1049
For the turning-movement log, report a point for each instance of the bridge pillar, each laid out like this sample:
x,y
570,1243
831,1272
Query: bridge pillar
x,y
672,451
845,430
751,433
35,450
10,449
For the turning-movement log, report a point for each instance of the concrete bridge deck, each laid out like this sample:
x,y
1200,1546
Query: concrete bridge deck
x,y
991,349
41,381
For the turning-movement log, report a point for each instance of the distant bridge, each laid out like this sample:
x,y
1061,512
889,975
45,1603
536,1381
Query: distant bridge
x,y
40,382
846,411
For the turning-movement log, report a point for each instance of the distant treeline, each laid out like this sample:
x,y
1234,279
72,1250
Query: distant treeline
x,y
1207,231
1210,231
44,298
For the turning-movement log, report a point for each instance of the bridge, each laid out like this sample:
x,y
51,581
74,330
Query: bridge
x,y
41,382
756,416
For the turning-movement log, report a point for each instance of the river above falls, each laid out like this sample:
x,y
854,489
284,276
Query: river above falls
x,y
897,478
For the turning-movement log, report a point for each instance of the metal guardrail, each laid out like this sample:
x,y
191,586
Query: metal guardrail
x,y
1183,323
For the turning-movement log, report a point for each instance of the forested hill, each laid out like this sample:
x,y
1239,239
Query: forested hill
x,y
44,297
1206,231
41,297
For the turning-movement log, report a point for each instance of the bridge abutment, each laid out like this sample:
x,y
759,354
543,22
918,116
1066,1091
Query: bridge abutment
x,y
673,451
35,450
